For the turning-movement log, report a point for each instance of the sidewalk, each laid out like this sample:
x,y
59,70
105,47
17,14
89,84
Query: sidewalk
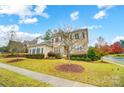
x,y
54,81
1,86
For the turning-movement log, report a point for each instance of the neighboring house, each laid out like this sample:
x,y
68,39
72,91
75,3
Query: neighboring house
x,y
39,46
14,46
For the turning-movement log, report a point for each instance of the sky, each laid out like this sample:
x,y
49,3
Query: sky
x,y
31,21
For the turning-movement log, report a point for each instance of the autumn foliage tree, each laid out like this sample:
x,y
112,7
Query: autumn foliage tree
x,y
116,48
102,48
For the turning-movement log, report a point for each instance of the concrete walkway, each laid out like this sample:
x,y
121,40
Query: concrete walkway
x,y
110,60
54,81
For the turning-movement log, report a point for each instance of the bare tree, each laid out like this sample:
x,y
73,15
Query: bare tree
x,y
100,41
14,43
12,35
66,39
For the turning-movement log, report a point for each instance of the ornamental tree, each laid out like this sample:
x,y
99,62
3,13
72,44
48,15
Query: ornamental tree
x,y
116,48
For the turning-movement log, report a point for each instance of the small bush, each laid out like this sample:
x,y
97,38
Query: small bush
x,y
83,57
58,56
35,56
54,55
51,54
80,57
92,55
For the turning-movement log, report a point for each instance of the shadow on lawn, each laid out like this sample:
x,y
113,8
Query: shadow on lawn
x,y
15,60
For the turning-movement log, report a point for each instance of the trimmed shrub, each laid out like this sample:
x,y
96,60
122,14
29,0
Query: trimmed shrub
x,y
54,55
80,57
58,56
92,55
51,54
83,57
35,56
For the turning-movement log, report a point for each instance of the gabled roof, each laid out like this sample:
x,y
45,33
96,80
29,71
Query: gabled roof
x,y
35,42
41,44
79,30
32,42
74,31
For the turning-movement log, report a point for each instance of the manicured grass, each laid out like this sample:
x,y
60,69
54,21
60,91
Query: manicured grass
x,y
12,79
96,73
118,55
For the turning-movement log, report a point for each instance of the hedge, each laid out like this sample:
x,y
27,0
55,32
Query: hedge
x,y
54,55
79,55
83,57
35,56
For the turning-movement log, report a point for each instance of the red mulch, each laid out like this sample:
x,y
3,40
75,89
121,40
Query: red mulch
x,y
15,60
70,68
12,56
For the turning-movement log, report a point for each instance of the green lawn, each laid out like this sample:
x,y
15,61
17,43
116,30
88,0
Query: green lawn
x,y
96,73
118,55
12,79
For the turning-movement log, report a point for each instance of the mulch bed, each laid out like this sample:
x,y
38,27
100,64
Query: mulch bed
x,y
15,60
70,68
12,56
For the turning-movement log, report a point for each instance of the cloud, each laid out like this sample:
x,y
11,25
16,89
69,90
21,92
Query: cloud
x,y
105,6
25,12
20,10
74,15
39,10
118,38
28,20
93,27
19,36
100,15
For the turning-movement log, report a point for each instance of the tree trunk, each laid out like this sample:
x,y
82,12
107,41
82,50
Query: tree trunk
x,y
68,56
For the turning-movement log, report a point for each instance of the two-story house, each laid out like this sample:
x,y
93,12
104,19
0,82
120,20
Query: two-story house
x,y
39,46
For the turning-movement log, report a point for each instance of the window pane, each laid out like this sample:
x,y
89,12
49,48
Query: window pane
x,y
33,51
38,50
76,36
